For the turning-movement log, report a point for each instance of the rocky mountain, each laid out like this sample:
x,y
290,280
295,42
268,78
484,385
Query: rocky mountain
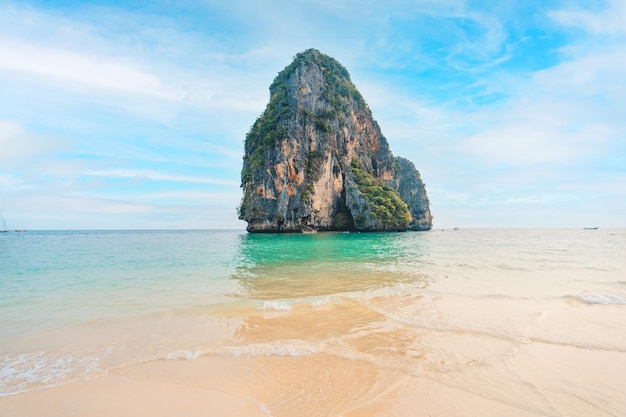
x,y
316,159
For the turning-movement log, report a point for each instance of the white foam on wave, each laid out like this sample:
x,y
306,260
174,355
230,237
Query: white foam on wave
x,y
319,303
283,348
604,298
184,354
29,371
263,409
276,306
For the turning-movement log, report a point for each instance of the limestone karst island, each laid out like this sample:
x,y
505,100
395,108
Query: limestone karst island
x,y
316,160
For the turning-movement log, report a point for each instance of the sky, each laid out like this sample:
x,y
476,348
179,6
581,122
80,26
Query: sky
x,y
133,114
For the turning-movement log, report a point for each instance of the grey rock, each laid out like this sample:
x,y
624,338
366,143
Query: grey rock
x,y
317,160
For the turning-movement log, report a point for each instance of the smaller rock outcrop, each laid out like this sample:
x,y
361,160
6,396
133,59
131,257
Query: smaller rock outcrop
x,y
412,190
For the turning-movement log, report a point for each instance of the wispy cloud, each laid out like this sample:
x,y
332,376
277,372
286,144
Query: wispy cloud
x,y
135,58
538,133
10,182
563,114
608,20
156,176
87,70
18,144
204,197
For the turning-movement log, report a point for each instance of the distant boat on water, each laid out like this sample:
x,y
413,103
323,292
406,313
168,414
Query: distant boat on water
x,y
4,228
591,228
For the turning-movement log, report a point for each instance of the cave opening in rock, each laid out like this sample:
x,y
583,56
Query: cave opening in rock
x,y
342,219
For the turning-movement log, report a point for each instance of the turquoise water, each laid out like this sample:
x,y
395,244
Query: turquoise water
x,y
76,304
52,278
62,278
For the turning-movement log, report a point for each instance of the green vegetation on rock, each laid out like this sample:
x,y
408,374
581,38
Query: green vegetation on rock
x,y
385,205
270,126
267,128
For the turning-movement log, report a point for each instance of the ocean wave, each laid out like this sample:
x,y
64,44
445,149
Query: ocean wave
x,y
30,371
319,303
285,348
603,298
275,305
185,354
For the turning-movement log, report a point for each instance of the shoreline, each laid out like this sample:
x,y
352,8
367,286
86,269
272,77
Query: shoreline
x,y
428,355
322,384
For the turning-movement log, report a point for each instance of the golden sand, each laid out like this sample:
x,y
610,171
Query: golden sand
x,y
458,357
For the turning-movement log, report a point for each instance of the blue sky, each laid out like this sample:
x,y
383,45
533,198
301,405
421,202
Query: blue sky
x,y
121,114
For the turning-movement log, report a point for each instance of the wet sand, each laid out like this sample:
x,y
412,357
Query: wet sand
x,y
324,385
510,357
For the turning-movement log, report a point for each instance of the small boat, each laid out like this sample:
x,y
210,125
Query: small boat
x,y
591,228
20,230
4,228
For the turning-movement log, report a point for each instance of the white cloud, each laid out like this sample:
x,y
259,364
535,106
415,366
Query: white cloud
x,y
565,114
156,176
586,73
17,143
88,204
144,64
47,210
10,182
608,21
531,133
91,70
224,151
196,196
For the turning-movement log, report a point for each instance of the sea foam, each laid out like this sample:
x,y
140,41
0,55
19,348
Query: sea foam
x,y
275,305
283,348
604,298
184,354
39,370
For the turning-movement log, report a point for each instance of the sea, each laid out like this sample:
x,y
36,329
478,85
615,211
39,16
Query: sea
x,y
445,322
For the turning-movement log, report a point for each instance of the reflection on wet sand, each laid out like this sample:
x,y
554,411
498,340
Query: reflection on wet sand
x,y
301,281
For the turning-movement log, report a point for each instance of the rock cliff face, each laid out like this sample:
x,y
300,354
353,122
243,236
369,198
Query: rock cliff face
x,y
317,160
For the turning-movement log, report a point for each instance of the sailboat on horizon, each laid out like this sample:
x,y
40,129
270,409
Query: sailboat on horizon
x,y
3,228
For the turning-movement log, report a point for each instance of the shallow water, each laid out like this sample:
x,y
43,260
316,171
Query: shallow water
x,y
464,322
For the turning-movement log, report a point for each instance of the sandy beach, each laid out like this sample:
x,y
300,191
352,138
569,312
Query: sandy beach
x,y
474,323
302,363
